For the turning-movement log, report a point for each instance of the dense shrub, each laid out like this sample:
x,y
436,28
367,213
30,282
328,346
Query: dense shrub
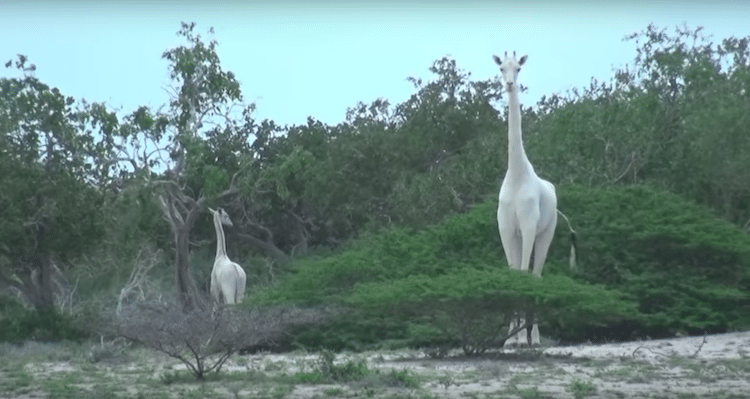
x,y
650,263
689,269
401,283
473,307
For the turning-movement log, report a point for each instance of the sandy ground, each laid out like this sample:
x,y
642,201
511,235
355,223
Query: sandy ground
x,y
714,366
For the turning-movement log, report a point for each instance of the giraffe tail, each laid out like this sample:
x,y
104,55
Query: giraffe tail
x,y
240,282
573,246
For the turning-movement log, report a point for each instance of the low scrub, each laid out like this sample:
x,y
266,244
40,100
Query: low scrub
x,y
203,339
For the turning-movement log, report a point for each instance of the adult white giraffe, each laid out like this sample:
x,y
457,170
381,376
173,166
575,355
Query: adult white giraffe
x,y
527,210
227,278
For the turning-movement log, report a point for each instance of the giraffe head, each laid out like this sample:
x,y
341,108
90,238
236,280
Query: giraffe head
x,y
509,68
222,216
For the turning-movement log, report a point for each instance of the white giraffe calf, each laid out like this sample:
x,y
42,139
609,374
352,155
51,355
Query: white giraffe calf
x,y
227,278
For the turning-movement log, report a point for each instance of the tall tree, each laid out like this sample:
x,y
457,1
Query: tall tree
x,y
49,199
190,155
675,117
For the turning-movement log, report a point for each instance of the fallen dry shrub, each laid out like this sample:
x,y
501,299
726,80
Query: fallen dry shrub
x,y
203,339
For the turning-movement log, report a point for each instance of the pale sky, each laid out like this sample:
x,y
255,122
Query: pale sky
x,y
315,58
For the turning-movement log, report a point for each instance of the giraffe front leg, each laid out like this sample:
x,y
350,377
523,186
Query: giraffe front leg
x,y
518,339
535,341
512,341
532,338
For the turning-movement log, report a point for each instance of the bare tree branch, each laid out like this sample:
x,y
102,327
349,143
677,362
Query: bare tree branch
x,y
146,259
113,161
267,246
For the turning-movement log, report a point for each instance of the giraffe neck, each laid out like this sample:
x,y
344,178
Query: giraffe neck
x,y
518,163
221,246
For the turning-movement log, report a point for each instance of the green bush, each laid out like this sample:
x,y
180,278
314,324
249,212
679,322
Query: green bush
x,y
402,282
649,262
18,324
394,254
474,307
689,269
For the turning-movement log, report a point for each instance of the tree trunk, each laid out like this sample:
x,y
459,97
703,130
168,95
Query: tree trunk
x,y
36,288
266,246
39,286
186,290
44,296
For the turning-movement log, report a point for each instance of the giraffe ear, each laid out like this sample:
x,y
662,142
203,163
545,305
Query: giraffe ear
x,y
497,60
211,210
522,60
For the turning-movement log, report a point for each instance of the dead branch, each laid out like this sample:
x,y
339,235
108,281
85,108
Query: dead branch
x,y
705,339
138,276
650,350
113,161
626,170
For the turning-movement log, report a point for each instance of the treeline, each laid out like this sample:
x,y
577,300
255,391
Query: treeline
x,y
82,190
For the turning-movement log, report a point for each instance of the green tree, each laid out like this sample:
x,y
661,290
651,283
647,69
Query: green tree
x,y
675,118
450,144
49,197
189,156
